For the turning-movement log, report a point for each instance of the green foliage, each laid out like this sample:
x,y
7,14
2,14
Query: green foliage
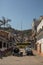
x,y
23,43
21,46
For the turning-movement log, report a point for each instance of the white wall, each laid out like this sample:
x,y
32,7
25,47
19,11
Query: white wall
x,y
40,41
40,38
40,26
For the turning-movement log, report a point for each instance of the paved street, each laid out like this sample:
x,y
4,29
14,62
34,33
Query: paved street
x,y
25,60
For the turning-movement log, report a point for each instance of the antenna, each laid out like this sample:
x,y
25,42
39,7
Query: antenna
x,y
21,25
21,33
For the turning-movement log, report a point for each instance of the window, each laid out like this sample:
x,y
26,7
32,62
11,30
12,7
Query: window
x,y
4,45
7,45
10,44
0,44
42,27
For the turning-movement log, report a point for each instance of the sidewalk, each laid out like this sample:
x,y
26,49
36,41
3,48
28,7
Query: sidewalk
x,y
38,56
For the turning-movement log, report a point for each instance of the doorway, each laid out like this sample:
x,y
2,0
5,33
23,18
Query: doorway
x,y
0,44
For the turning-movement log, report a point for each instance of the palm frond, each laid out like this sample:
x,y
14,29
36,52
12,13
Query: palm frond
x,y
1,21
3,18
1,24
8,20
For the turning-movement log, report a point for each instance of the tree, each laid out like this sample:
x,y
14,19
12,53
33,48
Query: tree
x,y
8,25
4,21
1,23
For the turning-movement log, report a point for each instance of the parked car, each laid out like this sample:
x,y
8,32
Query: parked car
x,y
28,51
16,52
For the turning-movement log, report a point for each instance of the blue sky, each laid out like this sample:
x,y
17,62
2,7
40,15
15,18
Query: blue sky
x,y
21,11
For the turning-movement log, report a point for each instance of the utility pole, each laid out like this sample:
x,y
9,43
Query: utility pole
x,y
21,25
21,33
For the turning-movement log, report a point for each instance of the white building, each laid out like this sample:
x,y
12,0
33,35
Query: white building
x,y
40,37
35,23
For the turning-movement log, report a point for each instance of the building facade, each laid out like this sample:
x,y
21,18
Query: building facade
x,y
40,38
6,40
35,23
37,32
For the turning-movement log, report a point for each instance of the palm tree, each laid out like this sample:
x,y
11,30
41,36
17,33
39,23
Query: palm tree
x,y
5,21
8,25
1,23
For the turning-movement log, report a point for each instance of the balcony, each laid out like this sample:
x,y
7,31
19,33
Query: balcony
x,y
40,30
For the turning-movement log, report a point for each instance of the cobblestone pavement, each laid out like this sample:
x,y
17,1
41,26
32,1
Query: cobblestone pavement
x,y
25,60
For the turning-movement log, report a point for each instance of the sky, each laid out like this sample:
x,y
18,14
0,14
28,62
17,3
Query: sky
x,y
21,12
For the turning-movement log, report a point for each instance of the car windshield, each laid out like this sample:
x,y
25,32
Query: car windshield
x,y
27,48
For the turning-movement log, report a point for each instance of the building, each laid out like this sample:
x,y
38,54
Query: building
x,y
37,34
35,23
6,40
40,37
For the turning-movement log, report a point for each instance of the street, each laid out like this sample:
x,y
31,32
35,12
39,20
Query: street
x,y
25,60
